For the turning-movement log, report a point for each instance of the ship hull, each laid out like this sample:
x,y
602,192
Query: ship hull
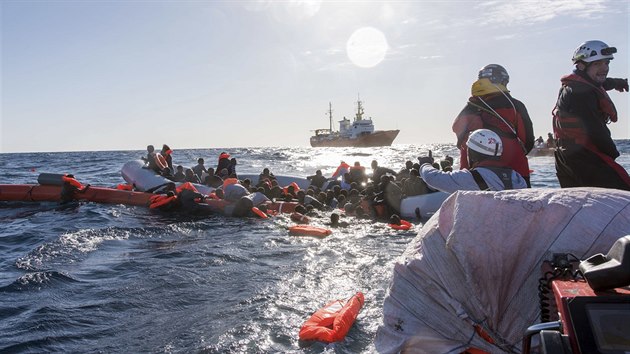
x,y
377,138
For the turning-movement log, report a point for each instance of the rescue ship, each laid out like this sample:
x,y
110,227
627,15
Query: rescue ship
x,y
357,133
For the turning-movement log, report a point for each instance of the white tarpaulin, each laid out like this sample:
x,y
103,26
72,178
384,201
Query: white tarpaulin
x,y
478,261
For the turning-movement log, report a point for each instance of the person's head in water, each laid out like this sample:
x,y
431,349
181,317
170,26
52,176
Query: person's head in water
x,y
483,144
300,209
334,218
394,219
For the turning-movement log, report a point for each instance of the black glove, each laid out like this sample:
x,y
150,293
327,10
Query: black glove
x,y
426,159
620,85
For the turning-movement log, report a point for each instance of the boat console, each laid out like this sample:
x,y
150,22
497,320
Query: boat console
x,y
593,310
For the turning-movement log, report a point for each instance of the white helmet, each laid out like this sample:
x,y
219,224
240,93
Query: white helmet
x,y
591,51
485,142
495,73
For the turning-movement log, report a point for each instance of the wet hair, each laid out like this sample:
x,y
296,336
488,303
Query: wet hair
x,y
394,219
318,172
200,160
334,218
300,209
150,148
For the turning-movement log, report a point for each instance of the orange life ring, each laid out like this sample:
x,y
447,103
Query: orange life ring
x,y
160,161
306,230
300,218
259,213
160,200
404,225
332,322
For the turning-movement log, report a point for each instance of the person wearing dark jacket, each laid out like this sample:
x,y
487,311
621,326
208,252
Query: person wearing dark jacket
x,y
586,152
492,107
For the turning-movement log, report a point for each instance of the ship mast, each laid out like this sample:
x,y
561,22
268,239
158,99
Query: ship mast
x,y
359,115
330,116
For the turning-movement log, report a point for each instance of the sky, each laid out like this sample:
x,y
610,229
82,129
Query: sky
x,y
119,75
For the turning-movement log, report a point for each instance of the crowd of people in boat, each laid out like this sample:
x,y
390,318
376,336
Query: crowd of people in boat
x,y
349,188
494,135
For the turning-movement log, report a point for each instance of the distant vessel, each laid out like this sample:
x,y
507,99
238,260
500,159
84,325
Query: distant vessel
x,y
359,133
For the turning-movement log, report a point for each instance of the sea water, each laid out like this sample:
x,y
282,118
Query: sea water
x,y
90,277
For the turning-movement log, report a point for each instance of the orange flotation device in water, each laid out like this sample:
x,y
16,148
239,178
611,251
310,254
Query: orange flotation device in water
x,y
332,322
306,230
404,225
259,212
159,200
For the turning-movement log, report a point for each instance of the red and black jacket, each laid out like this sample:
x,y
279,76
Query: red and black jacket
x,y
581,116
476,115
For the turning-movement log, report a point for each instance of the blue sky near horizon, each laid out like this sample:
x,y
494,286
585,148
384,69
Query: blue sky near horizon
x,y
117,75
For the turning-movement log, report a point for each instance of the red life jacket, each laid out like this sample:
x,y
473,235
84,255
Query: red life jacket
x,y
514,154
568,126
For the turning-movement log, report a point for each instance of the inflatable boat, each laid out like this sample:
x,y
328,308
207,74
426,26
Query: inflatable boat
x,y
144,179
424,205
332,322
51,193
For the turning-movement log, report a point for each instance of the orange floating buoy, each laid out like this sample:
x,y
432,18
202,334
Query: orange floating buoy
x,y
332,322
306,230
259,212
404,225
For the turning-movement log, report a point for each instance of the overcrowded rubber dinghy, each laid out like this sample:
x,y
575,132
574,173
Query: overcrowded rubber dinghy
x,y
470,277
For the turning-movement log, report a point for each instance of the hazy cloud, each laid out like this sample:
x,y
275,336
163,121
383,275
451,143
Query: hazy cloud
x,y
534,11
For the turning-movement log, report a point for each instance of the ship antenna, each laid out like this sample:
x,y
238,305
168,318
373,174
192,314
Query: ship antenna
x,y
359,115
330,116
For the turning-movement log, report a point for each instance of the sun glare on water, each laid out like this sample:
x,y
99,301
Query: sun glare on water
x,y
366,47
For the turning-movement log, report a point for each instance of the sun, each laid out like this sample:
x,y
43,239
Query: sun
x,y
367,47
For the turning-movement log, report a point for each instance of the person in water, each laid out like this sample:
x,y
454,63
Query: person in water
x,y
378,171
334,221
180,176
199,169
150,159
586,151
551,142
191,176
167,153
492,107
483,149
224,163
318,179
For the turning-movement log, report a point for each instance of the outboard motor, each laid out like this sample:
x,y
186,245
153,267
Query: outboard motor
x,y
592,304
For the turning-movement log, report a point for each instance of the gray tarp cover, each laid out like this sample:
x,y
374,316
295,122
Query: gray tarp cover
x,y
478,261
